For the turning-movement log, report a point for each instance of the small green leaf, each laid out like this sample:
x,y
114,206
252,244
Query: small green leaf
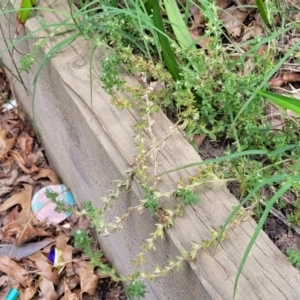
x,y
260,224
283,101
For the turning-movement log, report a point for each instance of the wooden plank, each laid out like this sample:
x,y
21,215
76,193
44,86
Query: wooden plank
x,y
92,147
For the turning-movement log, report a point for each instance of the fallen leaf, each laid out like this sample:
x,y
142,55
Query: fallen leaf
x,y
21,163
25,144
9,174
13,270
24,179
72,281
11,122
47,173
241,5
28,293
198,139
198,19
202,41
47,290
291,77
276,82
11,217
251,32
223,3
20,233
44,266
5,285
114,293
88,280
233,20
81,222
7,142
23,199
68,294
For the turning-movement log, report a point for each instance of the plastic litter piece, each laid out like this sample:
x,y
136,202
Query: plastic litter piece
x,y
13,294
55,256
9,105
44,209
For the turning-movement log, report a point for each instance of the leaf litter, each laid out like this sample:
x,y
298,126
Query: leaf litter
x,y
25,242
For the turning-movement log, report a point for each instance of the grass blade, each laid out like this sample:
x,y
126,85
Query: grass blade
x,y
216,160
179,27
283,101
167,51
270,180
260,224
263,12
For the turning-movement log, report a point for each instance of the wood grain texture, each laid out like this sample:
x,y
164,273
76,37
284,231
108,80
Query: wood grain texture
x,y
90,147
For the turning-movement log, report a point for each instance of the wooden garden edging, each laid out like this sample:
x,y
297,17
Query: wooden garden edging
x,y
90,148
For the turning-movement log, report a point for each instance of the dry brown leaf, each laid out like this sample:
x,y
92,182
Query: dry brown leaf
x,y
202,41
13,270
5,285
291,77
240,4
262,51
47,173
68,294
8,176
157,86
88,280
198,139
45,267
81,222
11,217
28,293
23,199
7,142
114,293
3,85
223,3
198,19
47,290
21,163
276,82
284,78
233,20
25,144
72,281
251,32
11,122
20,233
24,179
